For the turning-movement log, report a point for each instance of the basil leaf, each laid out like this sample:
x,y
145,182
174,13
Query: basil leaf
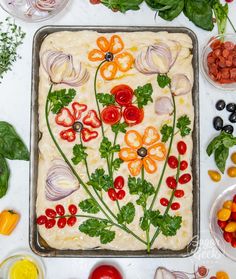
x,y
166,132
122,5
79,154
89,206
163,80
107,236
126,214
221,156
106,99
100,181
11,145
4,176
173,12
143,95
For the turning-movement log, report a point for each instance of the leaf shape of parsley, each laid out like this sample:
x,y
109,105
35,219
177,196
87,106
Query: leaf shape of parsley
x,y
79,154
126,214
89,206
106,99
100,181
163,80
117,163
143,94
183,123
106,148
119,127
107,236
166,132
169,225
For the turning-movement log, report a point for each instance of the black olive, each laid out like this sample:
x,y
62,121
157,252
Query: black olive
x,y
231,107
228,129
220,105
109,56
218,123
232,117
142,152
77,126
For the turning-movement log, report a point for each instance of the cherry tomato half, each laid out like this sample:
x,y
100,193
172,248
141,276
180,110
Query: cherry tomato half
x,y
105,272
112,194
72,209
175,206
173,162
50,213
71,221
164,202
119,182
179,193
50,223
182,147
185,178
123,94
41,220
120,194
171,182
60,209
61,223
111,115
133,115
95,2
183,165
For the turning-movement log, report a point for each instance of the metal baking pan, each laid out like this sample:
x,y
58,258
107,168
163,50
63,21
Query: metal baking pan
x,y
38,245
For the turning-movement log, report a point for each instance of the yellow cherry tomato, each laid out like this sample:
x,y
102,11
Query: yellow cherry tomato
x,y
214,175
233,207
223,214
231,172
233,157
231,227
222,275
228,204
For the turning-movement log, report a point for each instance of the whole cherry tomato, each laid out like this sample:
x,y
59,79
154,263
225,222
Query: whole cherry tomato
x,y
60,209
233,216
50,223
41,220
173,162
183,165
50,213
111,115
119,182
61,223
171,182
164,202
71,221
112,194
222,224
133,115
182,147
120,194
179,193
175,206
94,2
123,94
202,270
105,272
233,242
72,209
228,237
234,199
185,178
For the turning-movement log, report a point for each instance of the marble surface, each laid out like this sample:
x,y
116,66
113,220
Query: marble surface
x,y
15,98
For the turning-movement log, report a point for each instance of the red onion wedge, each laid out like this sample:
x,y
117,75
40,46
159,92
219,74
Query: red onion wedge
x,y
180,84
163,105
162,272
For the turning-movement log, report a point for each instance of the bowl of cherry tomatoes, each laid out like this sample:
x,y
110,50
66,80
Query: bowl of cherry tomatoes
x,y
218,61
223,222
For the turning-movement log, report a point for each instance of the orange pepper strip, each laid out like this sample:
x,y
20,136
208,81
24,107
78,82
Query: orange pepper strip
x,y
116,44
133,139
124,61
103,44
150,135
108,70
154,150
96,55
8,221
149,165
135,167
128,154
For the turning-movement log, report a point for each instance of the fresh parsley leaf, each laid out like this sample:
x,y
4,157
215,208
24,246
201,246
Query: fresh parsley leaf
x,y
122,5
144,222
169,225
182,123
154,217
60,99
117,163
100,181
89,206
144,95
166,132
107,236
163,80
106,99
79,154
4,176
126,214
119,127
106,148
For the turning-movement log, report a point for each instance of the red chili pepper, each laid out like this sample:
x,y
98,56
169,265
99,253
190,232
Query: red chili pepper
x,y
88,135
92,120
78,109
69,135
65,118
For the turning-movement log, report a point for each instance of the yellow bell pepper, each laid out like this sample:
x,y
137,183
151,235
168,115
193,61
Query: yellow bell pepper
x,y
8,221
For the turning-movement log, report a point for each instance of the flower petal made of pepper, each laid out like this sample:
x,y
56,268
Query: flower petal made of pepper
x,y
150,135
69,135
88,135
116,44
96,55
124,61
103,44
149,165
78,109
135,167
65,118
128,154
157,151
92,120
133,139
108,70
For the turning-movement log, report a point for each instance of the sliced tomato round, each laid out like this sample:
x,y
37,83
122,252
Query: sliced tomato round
x,y
123,94
133,115
105,272
111,115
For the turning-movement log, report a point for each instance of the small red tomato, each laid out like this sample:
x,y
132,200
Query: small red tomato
x,y
175,206
133,115
123,94
182,147
111,115
222,224
71,221
228,236
112,194
179,193
60,210
234,199
120,194
61,223
202,270
213,277
173,162
50,223
50,213
233,216
41,220
119,182
72,209
164,202
183,165
233,242
94,2
171,182
105,272
185,178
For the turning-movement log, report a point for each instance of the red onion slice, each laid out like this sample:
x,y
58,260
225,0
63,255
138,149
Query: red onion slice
x,y
163,105
180,84
162,272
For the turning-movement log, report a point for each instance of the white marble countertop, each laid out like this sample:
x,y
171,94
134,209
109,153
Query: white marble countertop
x,y
15,98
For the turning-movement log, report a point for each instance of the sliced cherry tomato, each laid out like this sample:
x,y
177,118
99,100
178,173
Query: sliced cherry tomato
x,y
112,194
88,135
69,135
50,223
119,182
50,213
61,223
71,221
182,147
72,209
183,165
121,194
95,2
171,182
173,162
123,94
179,193
133,115
105,272
111,115
41,220
65,118
92,120
185,178
164,202
60,210
175,206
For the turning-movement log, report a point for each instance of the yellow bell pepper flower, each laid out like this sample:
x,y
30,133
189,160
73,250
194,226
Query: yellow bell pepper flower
x,y
8,221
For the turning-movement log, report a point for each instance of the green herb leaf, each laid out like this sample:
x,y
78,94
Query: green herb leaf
x,y
107,236
166,132
11,145
60,99
106,148
89,206
119,127
221,156
173,11
144,95
163,80
144,222
4,176
122,5
126,214
183,123
117,163
106,99
79,154
100,181
93,227
155,218
170,225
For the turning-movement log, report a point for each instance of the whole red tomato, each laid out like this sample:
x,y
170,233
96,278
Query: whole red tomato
x,y
105,272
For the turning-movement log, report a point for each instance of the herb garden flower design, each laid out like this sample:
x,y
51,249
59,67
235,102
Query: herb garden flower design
x,y
73,120
143,151
111,56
